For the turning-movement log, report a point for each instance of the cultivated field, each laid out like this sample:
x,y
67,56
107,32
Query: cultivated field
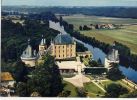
x,y
126,36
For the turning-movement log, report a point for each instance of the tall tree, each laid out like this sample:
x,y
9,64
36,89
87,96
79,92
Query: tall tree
x,y
131,94
21,89
80,28
114,73
46,79
115,90
19,71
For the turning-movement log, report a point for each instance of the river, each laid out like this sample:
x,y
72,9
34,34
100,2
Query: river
x,y
98,53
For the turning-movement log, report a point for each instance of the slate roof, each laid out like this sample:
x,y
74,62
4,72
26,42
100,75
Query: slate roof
x,y
28,52
113,55
43,41
63,39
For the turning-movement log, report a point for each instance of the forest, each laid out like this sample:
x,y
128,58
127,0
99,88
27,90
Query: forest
x,y
120,12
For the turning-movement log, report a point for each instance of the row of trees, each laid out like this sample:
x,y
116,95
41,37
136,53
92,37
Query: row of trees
x,y
85,27
122,12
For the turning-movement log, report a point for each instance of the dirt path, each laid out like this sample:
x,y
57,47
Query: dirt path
x,y
78,80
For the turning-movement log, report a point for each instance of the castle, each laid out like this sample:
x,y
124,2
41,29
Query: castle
x,y
112,57
62,47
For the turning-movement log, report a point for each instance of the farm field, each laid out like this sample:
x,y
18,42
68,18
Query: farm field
x,y
124,36
78,20
127,35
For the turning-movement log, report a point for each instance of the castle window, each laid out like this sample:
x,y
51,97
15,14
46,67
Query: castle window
x,y
71,50
67,46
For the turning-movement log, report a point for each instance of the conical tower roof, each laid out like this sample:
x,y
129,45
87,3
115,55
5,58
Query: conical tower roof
x,y
43,41
28,52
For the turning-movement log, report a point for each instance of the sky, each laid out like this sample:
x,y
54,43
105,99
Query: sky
x,y
71,2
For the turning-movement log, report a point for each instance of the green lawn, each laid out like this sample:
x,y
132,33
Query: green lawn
x,y
105,83
92,89
70,87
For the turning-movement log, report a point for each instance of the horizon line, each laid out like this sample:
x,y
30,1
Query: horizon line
x,y
65,6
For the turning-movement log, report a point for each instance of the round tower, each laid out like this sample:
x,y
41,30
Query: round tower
x,y
29,56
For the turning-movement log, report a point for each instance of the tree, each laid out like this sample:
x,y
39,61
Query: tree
x,y
93,63
81,92
71,27
21,89
80,28
131,94
19,71
85,27
115,90
40,82
56,79
46,79
64,93
114,73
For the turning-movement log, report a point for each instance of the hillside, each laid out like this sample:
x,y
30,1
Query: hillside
x,y
121,12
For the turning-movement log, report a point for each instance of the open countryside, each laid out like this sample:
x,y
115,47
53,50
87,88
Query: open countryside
x,y
79,19
48,54
127,35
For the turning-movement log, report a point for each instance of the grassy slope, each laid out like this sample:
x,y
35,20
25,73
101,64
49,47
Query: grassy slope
x,y
92,89
127,35
70,87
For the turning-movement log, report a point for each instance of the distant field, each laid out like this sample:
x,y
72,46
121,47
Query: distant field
x,y
77,20
126,36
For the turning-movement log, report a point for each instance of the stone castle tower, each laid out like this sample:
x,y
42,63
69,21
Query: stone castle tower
x,y
42,46
29,56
